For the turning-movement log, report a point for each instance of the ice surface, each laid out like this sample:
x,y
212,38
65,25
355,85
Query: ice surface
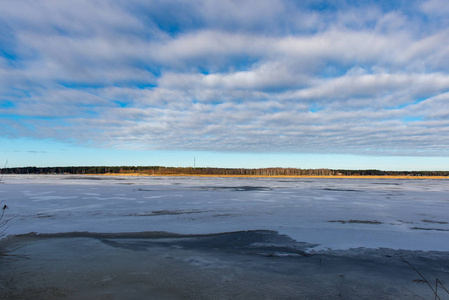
x,y
220,266
333,213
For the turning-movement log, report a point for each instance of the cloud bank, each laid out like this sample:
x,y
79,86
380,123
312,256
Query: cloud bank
x,y
237,76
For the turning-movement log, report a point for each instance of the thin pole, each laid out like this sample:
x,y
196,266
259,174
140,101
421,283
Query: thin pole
x,y
1,170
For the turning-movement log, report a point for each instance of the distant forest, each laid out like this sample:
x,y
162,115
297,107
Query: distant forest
x,y
156,170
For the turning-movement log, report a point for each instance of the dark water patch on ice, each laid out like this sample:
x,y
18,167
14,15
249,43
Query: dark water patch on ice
x,y
237,188
340,190
32,236
356,221
144,190
434,222
257,242
222,215
166,213
429,229
45,216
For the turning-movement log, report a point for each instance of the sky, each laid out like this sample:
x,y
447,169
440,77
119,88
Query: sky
x,y
253,83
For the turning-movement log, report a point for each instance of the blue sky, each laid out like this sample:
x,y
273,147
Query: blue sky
x,y
266,83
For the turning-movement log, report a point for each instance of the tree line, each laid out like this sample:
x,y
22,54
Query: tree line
x,y
158,170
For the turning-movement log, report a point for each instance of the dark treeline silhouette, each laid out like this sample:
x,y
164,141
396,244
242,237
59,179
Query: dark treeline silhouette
x,y
156,170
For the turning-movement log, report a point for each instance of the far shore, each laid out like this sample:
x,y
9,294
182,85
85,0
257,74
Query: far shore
x,y
276,176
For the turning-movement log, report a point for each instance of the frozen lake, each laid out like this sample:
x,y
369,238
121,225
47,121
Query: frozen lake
x,y
328,213
99,237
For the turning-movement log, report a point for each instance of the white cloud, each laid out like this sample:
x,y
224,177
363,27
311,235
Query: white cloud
x,y
435,7
403,87
271,75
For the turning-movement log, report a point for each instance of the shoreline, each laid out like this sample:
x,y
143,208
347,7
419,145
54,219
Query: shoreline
x,y
271,176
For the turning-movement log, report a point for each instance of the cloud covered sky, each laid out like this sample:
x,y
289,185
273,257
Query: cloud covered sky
x,y
339,77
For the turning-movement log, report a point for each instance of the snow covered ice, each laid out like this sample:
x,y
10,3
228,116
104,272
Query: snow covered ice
x,y
329,213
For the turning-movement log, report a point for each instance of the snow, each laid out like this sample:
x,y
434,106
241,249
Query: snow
x,y
332,213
